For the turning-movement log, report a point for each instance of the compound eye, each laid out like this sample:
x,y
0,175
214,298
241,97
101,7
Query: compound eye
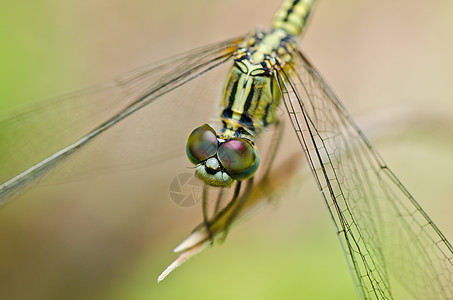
x,y
239,157
201,144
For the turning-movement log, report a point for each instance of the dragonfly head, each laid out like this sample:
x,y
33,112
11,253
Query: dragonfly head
x,y
220,161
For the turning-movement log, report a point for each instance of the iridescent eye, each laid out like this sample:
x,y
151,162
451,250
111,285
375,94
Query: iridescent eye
x,y
239,157
202,144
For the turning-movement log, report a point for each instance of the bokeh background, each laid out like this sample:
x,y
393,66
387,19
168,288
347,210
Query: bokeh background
x,y
389,61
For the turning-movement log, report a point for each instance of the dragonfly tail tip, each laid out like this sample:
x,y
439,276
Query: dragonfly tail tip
x,y
188,253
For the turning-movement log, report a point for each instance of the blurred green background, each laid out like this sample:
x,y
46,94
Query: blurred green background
x,y
389,61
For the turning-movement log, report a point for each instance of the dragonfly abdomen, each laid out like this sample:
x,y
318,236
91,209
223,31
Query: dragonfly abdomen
x,y
292,16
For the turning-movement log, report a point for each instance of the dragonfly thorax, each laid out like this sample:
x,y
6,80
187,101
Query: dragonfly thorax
x,y
250,98
249,103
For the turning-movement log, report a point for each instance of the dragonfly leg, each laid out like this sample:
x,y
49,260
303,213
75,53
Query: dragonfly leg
x,y
217,212
238,207
219,201
205,212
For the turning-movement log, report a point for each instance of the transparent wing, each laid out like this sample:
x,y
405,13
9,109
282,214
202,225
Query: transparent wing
x,y
33,141
383,230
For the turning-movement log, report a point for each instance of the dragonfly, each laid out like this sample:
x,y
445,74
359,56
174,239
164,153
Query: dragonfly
x,y
373,213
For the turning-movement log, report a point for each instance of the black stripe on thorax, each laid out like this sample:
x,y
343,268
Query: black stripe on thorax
x,y
249,99
233,93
